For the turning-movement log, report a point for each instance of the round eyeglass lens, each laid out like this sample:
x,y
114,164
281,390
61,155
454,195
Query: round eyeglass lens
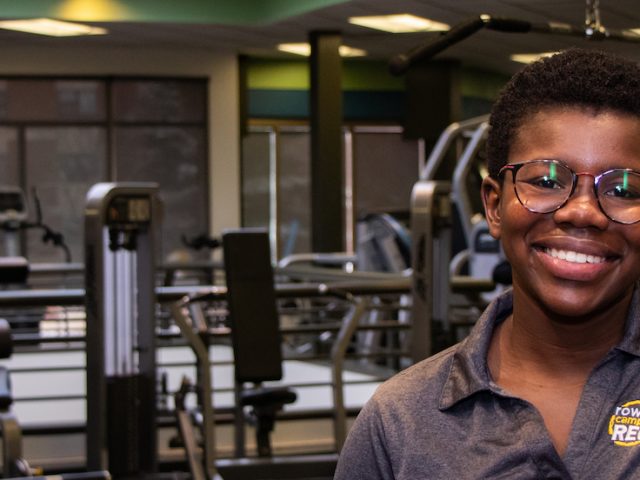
x,y
543,186
619,195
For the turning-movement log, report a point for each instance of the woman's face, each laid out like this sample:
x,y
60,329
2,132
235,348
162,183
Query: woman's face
x,y
534,243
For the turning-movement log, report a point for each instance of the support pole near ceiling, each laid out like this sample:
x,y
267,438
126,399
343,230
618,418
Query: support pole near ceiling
x,y
433,102
327,172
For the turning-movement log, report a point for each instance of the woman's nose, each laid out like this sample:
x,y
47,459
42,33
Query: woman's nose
x,y
582,209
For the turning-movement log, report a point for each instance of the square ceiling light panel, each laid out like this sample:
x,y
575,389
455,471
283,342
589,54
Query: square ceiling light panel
x,y
399,23
530,57
50,27
305,50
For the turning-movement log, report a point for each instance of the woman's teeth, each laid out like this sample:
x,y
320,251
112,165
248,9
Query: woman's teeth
x,y
575,257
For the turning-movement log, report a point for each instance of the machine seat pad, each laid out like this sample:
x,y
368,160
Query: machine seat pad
x,y
260,397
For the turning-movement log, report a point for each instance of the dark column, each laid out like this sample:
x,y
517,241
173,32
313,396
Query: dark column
x,y
433,102
243,90
327,177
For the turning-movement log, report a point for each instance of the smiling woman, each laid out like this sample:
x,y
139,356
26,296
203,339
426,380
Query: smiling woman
x,y
544,385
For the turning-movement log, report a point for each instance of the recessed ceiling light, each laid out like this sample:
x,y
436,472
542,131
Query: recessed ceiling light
x,y
305,50
401,23
54,28
530,57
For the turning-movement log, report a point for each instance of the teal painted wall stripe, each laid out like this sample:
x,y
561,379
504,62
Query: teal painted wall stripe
x,y
278,104
357,105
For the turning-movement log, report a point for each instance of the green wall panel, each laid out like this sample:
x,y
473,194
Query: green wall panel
x,y
361,75
197,11
294,74
274,75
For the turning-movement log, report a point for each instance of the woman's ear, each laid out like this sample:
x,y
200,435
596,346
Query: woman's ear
x,y
491,195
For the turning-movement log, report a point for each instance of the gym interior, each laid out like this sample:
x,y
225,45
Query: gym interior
x,y
224,224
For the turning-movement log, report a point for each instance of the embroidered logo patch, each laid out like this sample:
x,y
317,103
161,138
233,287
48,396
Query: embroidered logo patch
x,y
624,425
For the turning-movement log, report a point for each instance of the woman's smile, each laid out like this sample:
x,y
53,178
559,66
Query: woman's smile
x,y
572,256
574,265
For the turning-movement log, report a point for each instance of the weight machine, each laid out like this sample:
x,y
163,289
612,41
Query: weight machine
x,y
435,269
120,226
14,218
13,213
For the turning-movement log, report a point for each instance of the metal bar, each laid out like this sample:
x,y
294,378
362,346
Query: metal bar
x,y
190,447
349,190
55,268
204,377
357,283
338,258
444,141
21,340
274,177
460,175
372,379
338,353
11,445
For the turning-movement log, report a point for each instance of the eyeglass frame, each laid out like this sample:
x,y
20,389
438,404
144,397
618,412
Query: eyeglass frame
x,y
514,167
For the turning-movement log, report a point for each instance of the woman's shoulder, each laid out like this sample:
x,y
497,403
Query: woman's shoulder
x,y
418,382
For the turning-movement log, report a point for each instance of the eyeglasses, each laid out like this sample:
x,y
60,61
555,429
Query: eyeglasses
x,y
544,186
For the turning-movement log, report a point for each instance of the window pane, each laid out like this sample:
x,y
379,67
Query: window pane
x,y
62,163
52,100
386,167
175,158
255,179
294,193
9,156
159,101
9,241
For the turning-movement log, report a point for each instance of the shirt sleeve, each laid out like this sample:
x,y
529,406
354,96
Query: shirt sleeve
x,y
364,455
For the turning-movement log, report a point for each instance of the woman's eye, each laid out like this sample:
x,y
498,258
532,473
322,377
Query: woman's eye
x,y
544,182
620,191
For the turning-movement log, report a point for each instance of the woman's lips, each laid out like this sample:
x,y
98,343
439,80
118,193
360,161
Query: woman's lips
x,y
574,265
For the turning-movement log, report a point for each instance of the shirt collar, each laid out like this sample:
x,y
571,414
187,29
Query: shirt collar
x,y
469,371
631,340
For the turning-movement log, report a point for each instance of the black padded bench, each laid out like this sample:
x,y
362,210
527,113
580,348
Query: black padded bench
x,y
255,331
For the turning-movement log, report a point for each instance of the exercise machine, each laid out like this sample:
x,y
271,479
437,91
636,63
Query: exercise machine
x,y
14,218
13,214
13,463
254,320
120,227
193,326
384,244
436,206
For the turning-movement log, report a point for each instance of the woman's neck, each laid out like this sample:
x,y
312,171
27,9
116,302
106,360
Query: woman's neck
x,y
536,338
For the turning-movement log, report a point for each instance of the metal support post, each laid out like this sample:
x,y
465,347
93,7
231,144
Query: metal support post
x,y
430,256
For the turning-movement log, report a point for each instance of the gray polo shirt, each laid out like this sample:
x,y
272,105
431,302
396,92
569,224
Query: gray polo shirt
x,y
444,418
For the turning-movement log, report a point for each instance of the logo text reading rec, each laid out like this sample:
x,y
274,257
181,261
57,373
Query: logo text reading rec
x,y
624,425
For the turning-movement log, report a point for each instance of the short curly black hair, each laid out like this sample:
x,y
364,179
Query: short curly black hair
x,y
576,77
